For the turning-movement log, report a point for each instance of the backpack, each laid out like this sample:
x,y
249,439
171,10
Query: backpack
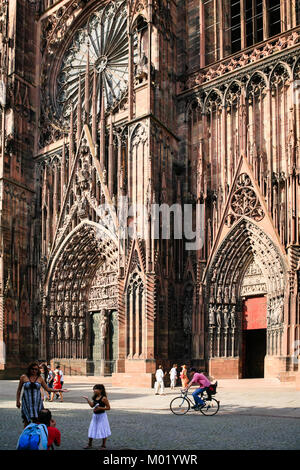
x,y
212,389
34,437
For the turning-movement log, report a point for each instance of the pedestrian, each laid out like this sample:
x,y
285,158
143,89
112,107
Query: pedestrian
x,y
44,374
30,384
184,376
173,376
159,384
54,435
50,378
99,426
61,378
57,385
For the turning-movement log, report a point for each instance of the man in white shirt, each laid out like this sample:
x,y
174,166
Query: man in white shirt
x,y
159,384
173,376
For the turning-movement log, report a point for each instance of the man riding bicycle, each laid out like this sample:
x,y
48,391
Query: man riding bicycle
x,y
199,379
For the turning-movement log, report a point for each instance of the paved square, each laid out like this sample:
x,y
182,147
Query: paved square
x,y
258,414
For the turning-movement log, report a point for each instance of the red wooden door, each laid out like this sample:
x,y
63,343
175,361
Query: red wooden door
x,y
255,313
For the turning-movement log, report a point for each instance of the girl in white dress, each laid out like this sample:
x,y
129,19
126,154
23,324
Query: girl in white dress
x,y
99,427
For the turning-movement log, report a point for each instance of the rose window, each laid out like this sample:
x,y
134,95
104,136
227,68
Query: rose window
x,y
101,46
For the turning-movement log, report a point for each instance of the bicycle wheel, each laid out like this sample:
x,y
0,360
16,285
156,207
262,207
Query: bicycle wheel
x,y
211,407
180,406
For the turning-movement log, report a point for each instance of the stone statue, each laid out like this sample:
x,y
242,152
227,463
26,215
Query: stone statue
x,y
52,326
277,311
269,312
226,316
280,311
59,328
211,315
103,325
81,327
67,329
74,328
218,316
67,310
232,317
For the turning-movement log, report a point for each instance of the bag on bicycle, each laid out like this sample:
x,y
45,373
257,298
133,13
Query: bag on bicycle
x,y
212,389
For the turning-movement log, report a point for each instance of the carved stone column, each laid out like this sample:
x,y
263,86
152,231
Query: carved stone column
x,y
103,333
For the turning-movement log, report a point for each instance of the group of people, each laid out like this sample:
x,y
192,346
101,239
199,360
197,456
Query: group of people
x,y
54,379
39,380
159,385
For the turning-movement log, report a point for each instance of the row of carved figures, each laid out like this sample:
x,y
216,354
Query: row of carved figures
x,y
222,316
225,315
67,328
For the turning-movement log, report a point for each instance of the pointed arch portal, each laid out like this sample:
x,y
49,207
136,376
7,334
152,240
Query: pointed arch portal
x,y
82,299
234,308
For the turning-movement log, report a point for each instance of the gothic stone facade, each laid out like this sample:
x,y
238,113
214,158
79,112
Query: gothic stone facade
x,y
160,102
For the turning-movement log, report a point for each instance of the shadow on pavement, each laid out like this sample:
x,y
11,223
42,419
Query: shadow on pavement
x,y
162,430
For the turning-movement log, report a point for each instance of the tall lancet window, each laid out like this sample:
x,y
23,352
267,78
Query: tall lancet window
x,y
135,317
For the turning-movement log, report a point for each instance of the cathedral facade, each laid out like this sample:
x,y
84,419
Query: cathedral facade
x,y
110,108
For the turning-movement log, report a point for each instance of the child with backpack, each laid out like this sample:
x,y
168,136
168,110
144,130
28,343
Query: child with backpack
x,y
99,426
41,435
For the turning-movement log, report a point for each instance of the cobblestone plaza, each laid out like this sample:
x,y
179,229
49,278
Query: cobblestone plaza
x,y
256,414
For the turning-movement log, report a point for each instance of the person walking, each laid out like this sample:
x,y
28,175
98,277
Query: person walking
x,y
61,377
159,383
44,374
57,386
99,427
184,377
50,378
173,376
30,383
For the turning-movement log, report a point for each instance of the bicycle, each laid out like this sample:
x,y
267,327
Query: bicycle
x,y
182,404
